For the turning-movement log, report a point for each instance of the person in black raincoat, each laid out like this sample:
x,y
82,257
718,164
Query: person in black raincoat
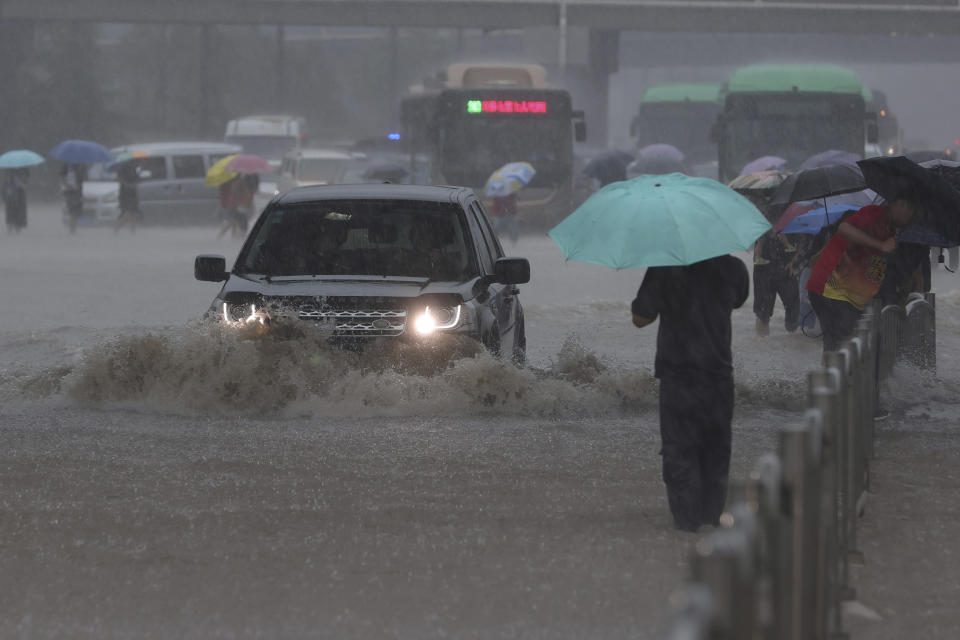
x,y
695,366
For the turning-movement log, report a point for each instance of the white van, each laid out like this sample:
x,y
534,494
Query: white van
x,y
171,187
270,137
316,166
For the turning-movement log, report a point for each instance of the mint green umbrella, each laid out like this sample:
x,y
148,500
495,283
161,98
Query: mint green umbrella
x,y
659,221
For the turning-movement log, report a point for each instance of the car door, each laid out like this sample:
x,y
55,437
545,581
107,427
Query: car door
x,y
191,202
502,297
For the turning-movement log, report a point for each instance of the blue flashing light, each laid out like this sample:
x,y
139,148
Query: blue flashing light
x,y
393,136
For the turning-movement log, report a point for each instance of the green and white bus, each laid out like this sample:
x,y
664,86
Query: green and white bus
x,y
679,114
790,111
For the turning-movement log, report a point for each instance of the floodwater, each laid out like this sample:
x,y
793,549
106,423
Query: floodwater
x,y
162,479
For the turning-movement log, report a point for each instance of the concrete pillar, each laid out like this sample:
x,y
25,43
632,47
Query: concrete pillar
x,y
281,98
603,59
16,43
206,51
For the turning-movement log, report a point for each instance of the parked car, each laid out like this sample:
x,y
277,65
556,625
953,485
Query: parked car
x,y
374,262
171,185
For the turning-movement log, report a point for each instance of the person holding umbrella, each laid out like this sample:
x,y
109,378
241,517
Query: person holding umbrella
x,y
502,187
128,177
14,192
852,266
76,155
682,229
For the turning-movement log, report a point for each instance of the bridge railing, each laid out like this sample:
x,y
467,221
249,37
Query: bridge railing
x,y
779,565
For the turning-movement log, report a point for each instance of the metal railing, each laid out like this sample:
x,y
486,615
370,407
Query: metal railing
x,y
779,565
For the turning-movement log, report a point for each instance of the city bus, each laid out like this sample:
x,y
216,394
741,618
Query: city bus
x,y
679,114
475,119
790,111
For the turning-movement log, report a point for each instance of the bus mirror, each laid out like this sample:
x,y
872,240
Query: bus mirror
x,y
579,126
580,131
633,127
873,133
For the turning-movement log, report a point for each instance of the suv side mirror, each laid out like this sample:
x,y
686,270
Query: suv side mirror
x,y
512,271
210,268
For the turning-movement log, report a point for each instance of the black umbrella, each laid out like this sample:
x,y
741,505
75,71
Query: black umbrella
x,y
894,177
820,182
609,166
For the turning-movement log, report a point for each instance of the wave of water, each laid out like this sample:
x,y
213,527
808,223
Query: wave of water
x,y
204,370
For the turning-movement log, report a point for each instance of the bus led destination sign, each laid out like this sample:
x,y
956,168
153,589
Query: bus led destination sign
x,y
507,106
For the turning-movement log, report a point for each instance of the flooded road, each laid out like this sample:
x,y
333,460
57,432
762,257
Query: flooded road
x,y
158,479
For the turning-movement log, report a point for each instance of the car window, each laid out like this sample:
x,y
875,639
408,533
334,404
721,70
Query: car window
x,y
188,167
153,168
489,234
403,238
487,256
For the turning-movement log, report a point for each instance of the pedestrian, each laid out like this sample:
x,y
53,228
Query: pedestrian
x,y
504,212
14,191
228,206
852,266
128,178
694,364
72,177
774,275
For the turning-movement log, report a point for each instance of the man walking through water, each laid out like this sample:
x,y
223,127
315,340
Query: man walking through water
x,y
852,266
695,366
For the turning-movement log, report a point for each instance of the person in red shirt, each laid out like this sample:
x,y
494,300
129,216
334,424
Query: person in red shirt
x,y
851,268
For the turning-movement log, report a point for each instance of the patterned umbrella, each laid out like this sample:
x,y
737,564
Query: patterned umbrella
x,y
509,178
760,181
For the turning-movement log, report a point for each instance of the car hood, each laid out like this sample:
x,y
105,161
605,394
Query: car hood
x,y
410,288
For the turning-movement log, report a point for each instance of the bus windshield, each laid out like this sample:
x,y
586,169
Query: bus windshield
x,y
474,147
685,126
791,128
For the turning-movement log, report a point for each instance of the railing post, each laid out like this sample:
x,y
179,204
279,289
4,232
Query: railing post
x,y
723,562
824,396
800,448
694,614
763,496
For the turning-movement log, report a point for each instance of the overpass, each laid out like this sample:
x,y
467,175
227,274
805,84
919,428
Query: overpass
x,y
602,20
758,16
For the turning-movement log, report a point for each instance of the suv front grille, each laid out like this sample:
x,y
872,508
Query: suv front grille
x,y
349,322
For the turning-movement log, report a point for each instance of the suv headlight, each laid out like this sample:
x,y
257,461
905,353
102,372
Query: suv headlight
x,y
242,314
433,319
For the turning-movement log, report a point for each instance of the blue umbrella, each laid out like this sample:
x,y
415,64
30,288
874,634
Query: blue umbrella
x,y
81,152
659,221
19,159
813,221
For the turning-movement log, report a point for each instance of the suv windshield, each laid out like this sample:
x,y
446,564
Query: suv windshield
x,y
398,238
